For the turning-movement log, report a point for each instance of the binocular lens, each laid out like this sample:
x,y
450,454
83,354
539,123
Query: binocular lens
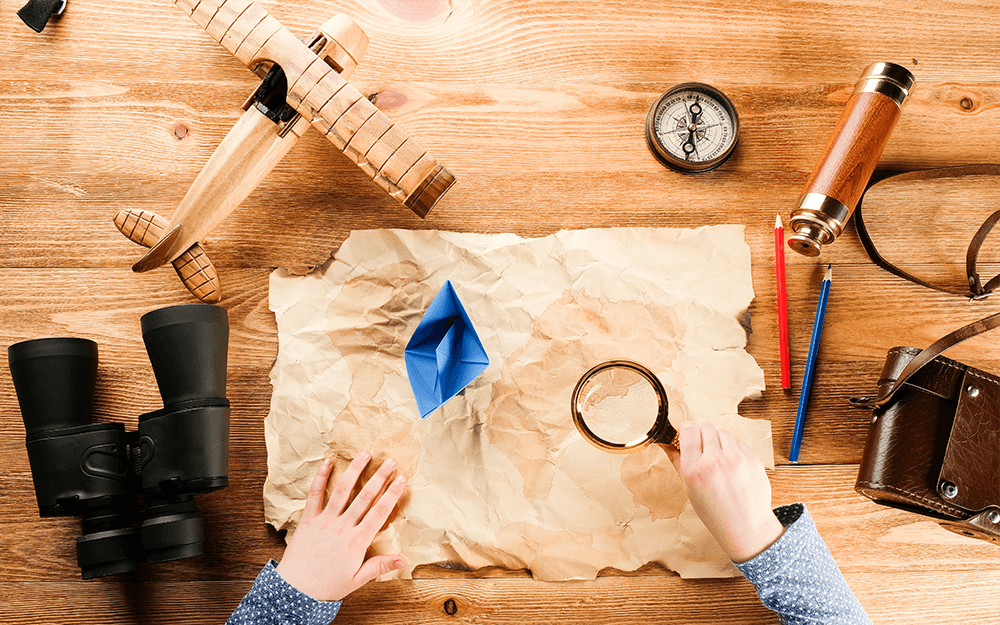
x,y
187,346
108,552
172,531
54,380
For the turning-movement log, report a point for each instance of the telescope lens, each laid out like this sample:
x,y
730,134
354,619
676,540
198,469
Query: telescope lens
x,y
54,379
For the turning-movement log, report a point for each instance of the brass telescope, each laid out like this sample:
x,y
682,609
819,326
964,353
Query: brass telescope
x,y
849,159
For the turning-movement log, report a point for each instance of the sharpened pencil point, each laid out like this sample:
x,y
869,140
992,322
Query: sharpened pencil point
x,y
829,273
777,222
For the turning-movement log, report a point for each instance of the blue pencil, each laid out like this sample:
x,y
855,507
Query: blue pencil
x,y
800,418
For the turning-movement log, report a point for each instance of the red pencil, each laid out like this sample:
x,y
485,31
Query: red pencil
x,y
779,262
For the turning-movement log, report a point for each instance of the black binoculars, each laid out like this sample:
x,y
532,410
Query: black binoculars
x,y
97,470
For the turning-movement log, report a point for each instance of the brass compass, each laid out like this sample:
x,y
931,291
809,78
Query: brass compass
x,y
692,128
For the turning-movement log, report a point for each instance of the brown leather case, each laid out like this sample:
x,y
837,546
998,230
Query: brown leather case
x,y
934,447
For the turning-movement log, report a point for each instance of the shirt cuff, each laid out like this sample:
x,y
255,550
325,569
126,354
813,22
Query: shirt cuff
x,y
273,600
798,578
799,529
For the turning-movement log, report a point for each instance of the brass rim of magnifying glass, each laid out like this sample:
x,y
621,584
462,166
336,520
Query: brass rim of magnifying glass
x,y
661,430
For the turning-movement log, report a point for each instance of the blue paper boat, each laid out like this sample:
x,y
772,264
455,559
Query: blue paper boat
x,y
444,354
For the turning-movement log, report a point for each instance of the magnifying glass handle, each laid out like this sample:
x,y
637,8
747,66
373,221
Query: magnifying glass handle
x,y
670,436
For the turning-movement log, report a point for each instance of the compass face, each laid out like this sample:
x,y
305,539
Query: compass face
x,y
692,128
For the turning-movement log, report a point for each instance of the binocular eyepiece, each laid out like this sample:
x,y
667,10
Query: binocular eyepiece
x,y
96,470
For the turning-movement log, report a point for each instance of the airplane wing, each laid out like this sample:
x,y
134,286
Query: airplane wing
x,y
396,162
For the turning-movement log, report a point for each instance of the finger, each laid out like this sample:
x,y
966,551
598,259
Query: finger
x,y
378,565
750,453
346,483
691,444
380,512
673,456
710,444
314,500
728,442
370,492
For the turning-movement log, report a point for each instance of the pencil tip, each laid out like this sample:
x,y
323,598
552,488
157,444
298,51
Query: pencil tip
x,y
777,221
829,272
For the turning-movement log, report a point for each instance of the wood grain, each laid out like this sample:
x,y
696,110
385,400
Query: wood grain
x,y
538,108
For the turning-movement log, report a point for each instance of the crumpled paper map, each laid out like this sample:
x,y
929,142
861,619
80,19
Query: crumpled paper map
x,y
499,476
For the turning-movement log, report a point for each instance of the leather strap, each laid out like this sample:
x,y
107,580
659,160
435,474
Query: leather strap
x,y
975,288
927,355
978,290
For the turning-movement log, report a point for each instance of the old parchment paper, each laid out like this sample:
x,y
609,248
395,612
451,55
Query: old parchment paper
x,y
499,475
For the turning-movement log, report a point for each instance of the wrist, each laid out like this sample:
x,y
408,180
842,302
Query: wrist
x,y
755,540
300,583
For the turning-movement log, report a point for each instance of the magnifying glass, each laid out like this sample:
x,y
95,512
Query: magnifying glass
x,y
620,406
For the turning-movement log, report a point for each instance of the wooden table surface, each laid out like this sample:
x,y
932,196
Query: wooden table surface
x,y
538,109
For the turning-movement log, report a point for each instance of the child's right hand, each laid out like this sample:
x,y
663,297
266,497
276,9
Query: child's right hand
x,y
326,557
728,488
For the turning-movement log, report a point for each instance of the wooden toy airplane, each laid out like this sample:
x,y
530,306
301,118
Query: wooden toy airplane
x,y
304,84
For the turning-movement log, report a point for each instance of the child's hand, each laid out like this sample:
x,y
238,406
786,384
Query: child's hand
x,y
728,488
325,557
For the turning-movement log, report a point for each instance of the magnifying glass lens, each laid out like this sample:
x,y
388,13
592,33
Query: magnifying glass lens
x,y
618,405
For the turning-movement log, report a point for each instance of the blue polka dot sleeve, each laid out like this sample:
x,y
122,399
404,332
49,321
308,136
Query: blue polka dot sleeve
x,y
272,600
797,577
